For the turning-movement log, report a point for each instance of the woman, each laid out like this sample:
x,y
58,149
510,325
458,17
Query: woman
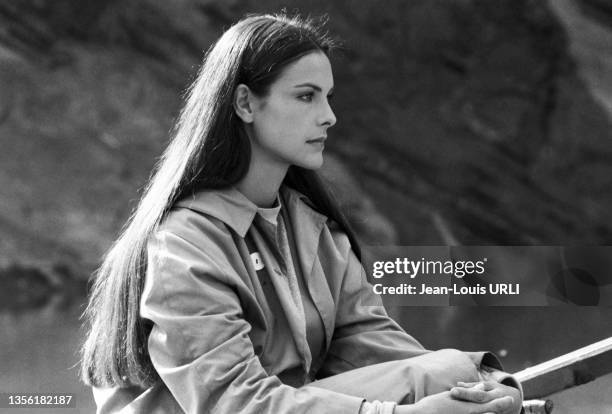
x,y
236,285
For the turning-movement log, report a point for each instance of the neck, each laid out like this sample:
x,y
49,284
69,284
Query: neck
x,y
263,180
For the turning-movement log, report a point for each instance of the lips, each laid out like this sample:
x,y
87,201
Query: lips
x,y
319,140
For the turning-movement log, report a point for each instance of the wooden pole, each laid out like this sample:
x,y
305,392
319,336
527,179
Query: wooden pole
x,y
574,368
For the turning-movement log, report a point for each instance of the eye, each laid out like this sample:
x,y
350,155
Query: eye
x,y
330,97
306,97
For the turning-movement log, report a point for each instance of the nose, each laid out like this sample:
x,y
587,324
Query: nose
x,y
328,118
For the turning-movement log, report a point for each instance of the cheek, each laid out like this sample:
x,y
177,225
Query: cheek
x,y
283,125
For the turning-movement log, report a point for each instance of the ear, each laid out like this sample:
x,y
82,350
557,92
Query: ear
x,y
243,105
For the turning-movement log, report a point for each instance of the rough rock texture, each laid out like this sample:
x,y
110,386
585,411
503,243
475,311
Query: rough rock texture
x,y
599,9
459,121
488,126
589,26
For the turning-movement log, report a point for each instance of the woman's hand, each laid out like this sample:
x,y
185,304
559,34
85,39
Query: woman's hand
x,y
444,403
484,392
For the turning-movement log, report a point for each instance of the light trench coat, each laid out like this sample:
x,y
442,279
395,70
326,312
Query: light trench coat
x,y
220,345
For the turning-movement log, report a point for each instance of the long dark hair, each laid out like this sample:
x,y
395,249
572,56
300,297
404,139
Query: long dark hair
x,y
209,149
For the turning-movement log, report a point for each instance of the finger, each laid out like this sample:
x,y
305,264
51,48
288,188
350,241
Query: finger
x,y
489,385
468,384
474,394
482,385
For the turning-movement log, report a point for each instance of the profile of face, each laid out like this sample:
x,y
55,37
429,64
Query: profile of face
x,y
288,126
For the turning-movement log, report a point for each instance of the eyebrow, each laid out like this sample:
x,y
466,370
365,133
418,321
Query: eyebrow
x,y
313,86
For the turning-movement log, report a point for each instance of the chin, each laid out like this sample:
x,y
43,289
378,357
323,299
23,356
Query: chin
x,y
311,164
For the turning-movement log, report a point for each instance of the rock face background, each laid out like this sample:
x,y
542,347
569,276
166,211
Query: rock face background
x,y
464,121
461,117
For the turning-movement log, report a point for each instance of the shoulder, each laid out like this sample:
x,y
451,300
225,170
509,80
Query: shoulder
x,y
191,235
188,254
210,214
194,226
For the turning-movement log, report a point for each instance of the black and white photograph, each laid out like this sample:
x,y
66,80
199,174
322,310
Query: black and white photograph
x,y
306,206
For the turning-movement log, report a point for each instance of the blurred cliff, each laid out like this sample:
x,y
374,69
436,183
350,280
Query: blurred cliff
x,y
465,120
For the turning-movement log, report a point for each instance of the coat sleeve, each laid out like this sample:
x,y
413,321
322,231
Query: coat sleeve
x,y
199,343
364,334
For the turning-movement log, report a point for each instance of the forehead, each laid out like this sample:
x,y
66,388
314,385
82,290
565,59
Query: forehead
x,y
312,68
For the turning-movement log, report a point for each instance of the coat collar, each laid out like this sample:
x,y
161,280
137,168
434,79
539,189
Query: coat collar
x,y
234,209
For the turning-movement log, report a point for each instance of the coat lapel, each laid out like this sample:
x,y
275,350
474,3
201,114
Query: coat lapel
x,y
307,225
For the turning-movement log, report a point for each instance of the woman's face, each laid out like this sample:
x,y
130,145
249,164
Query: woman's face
x,y
290,123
